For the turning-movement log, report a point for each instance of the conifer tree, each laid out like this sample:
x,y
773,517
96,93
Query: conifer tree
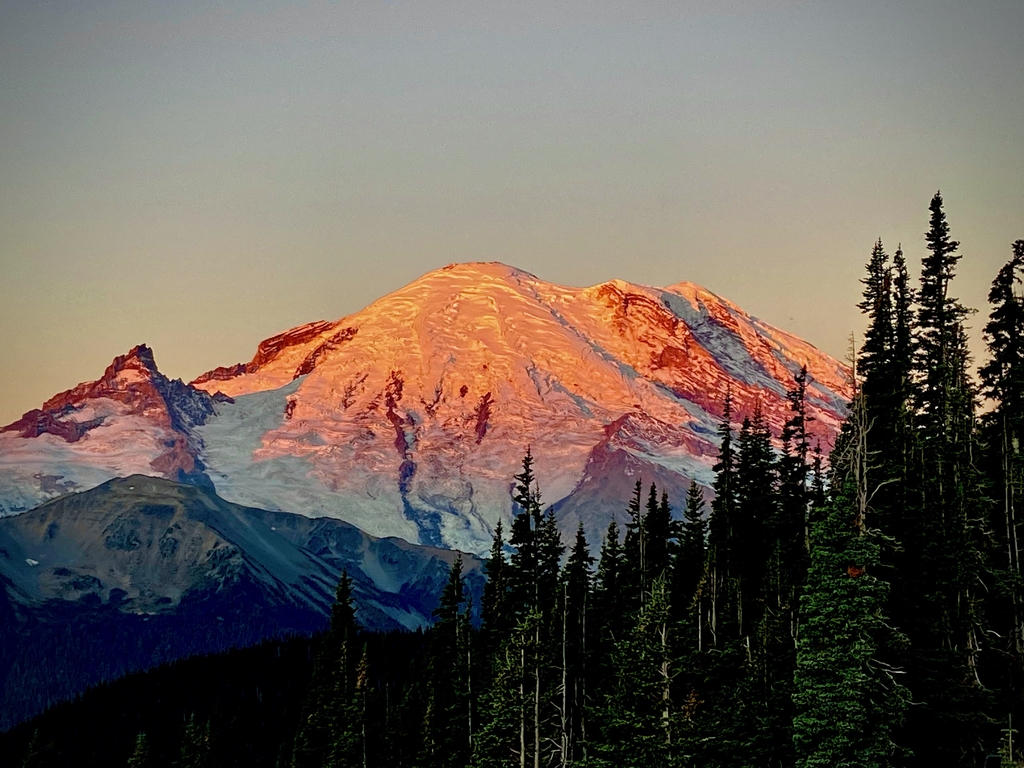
x,y
611,615
848,701
35,756
755,509
140,757
634,550
1003,382
447,736
494,608
576,597
195,744
876,353
721,557
636,716
533,578
330,707
658,536
689,570
940,578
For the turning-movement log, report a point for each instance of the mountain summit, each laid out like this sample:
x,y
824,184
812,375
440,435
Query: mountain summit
x,y
410,417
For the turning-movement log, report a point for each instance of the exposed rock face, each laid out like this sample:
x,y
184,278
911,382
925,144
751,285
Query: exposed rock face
x,y
410,417
133,412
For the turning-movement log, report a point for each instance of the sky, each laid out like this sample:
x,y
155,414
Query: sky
x,y
200,176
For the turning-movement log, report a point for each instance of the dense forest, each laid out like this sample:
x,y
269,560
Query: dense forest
x,y
861,609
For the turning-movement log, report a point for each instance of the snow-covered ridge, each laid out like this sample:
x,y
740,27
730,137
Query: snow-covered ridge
x,y
410,417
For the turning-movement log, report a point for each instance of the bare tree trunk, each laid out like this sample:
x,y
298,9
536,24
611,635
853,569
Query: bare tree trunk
x,y
583,679
469,691
665,683
522,709
565,720
536,696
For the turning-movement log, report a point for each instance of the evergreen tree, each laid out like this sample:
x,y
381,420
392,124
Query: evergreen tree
x,y
611,614
847,699
494,609
1003,381
755,509
140,757
195,744
940,576
576,597
658,536
689,569
35,756
325,736
721,533
634,550
533,579
636,722
447,736
875,361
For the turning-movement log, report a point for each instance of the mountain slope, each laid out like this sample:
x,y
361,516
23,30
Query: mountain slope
x,y
410,417
143,570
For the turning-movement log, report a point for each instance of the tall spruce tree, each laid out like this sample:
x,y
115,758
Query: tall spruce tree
x,y
721,534
689,570
658,536
611,611
1002,378
576,586
755,509
494,609
330,713
941,579
634,550
848,701
636,723
447,734
141,756
195,744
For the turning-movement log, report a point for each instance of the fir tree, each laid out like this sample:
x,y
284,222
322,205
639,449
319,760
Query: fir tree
x,y
848,701
325,735
721,534
658,536
575,591
689,569
755,509
876,354
1003,381
494,609
35,756
636,717
941,572
634,550
611,614
140,757
195,744
447,736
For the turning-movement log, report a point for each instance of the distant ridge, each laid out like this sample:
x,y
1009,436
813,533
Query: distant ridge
x,y
142,570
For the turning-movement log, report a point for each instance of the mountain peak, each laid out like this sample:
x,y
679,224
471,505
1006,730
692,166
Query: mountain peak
x,y
150,420
409,417
493,269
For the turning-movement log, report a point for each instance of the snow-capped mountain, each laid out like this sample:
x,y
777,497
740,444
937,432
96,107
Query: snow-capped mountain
x,y
410,417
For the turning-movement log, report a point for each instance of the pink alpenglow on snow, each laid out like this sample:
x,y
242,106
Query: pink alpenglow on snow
x,y
410,417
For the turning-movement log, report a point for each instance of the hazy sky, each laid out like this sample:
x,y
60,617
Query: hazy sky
x,y
199,177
